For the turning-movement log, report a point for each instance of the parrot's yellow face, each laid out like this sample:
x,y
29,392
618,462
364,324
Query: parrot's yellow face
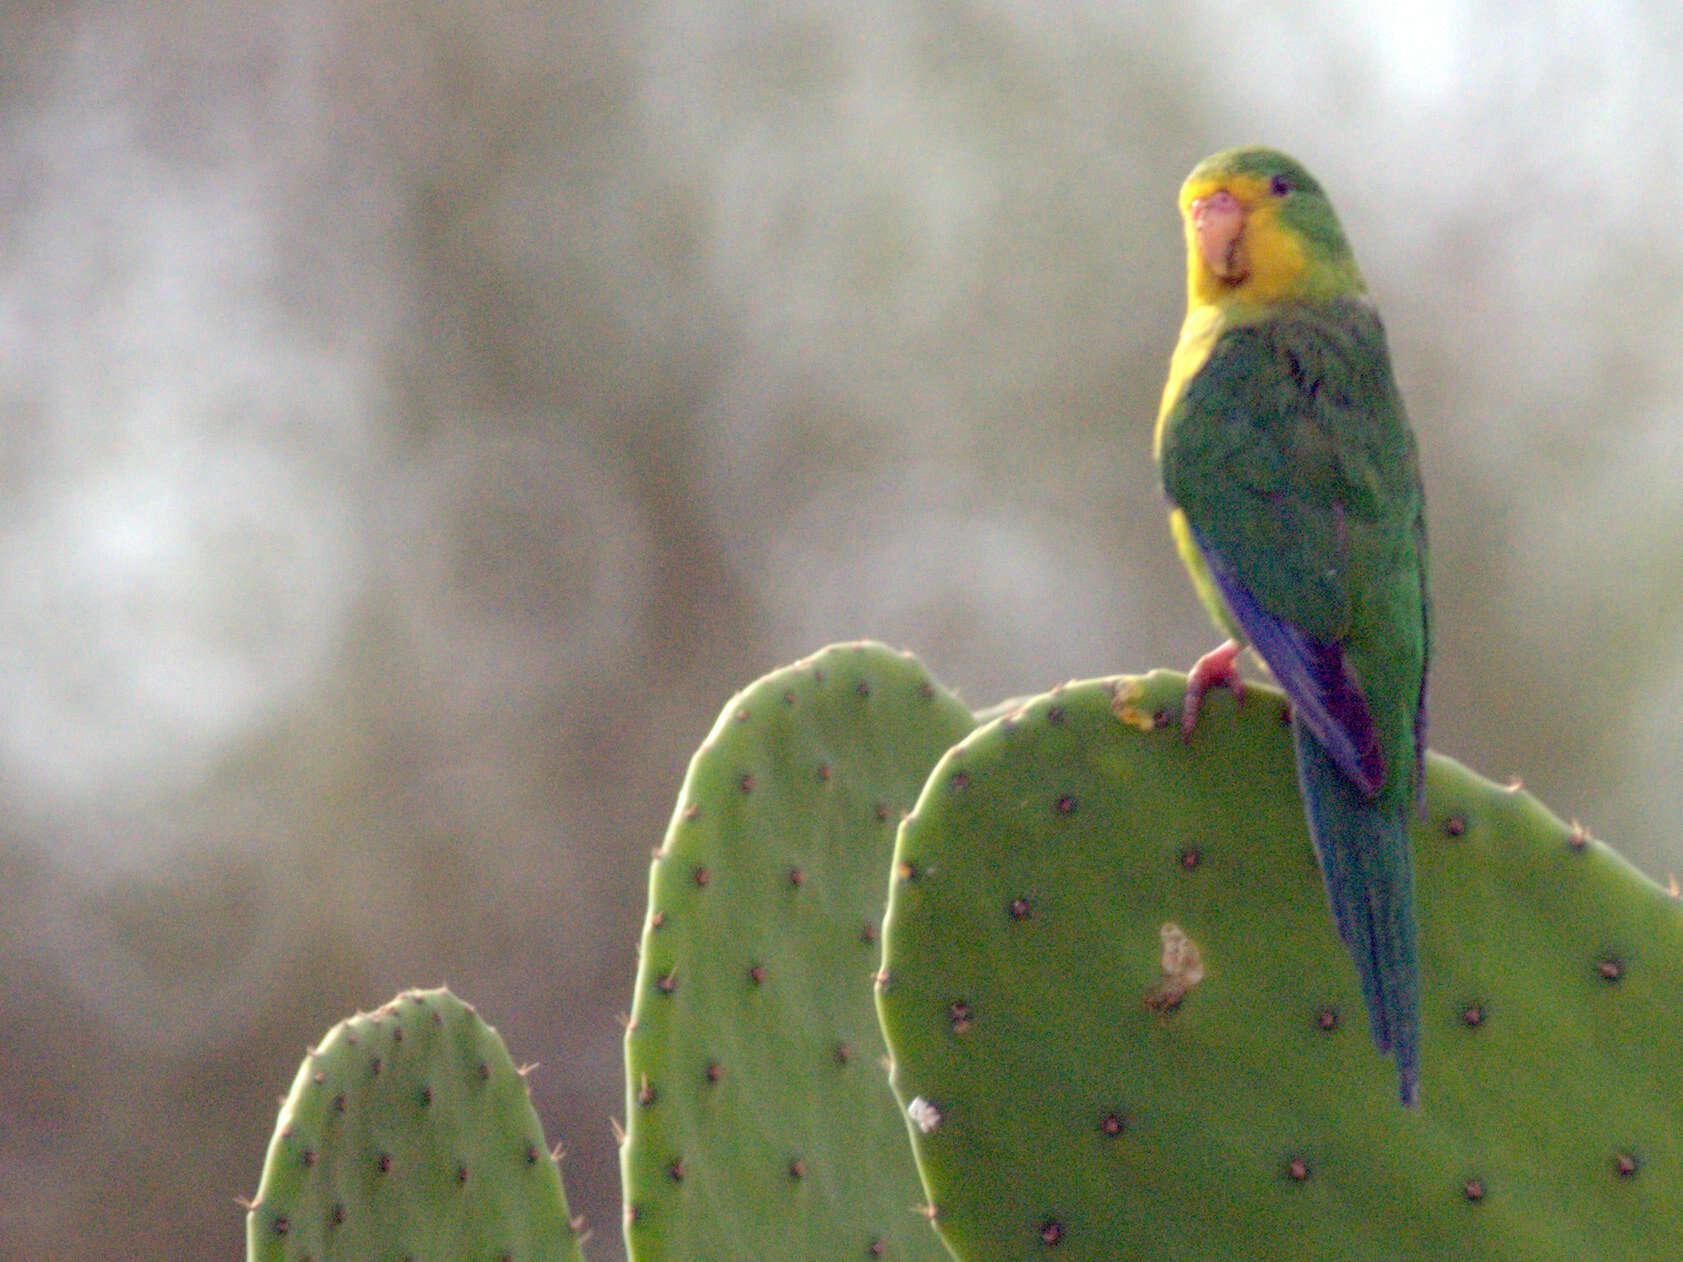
x,y
1235,244
1260,231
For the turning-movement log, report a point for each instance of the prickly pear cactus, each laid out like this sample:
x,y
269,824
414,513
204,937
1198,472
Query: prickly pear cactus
x,y
409,1134
1123,1026
760,1123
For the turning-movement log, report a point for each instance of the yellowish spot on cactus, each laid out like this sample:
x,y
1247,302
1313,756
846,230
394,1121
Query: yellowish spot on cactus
x,y
1122,699
1183,968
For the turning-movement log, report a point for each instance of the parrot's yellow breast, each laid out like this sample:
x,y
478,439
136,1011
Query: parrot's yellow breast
x,y
1198,332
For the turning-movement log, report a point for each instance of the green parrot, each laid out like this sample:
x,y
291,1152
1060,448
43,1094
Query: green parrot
x,y
1291,467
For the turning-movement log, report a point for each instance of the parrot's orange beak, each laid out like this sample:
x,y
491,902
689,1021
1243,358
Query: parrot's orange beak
x,y
1218,223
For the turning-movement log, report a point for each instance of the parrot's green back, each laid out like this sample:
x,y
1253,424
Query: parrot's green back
x,y
1286,451
1291,457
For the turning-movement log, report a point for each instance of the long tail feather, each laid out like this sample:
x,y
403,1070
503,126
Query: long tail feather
x,y
1364,852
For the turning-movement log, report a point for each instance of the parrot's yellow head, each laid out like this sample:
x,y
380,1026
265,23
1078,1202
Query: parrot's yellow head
x,y
1259,229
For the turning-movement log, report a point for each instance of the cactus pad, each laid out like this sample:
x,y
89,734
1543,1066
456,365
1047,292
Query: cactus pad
x,y
409,1134
759,1120
1123,1026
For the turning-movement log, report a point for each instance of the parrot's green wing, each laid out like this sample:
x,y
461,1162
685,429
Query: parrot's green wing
x,y
1291,457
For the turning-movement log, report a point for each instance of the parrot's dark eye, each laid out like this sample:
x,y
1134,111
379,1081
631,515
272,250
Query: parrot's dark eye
x,y
1280,185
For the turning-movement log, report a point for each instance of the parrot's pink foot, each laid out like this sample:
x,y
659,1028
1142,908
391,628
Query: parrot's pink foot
x,y
1213,670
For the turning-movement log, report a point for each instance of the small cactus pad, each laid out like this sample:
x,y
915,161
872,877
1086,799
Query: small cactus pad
x,y
1123,1026
759,1120
409,1134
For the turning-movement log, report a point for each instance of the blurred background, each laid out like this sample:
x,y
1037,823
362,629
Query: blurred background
x,y
419,418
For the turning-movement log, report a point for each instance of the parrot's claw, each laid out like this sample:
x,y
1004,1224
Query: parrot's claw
x,y
1213,670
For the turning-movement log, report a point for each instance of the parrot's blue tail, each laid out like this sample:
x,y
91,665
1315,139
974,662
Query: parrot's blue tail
x,y
1364,851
